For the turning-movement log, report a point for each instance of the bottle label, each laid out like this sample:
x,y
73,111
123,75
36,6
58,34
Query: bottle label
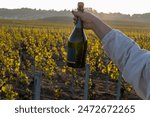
x,y
71,55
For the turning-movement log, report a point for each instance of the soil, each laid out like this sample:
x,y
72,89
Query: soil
x,y
101,87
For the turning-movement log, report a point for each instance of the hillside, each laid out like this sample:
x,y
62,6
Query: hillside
x,y
65,15
30,14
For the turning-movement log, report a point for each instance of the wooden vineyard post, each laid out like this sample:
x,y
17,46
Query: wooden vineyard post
x,y
87,74
72,83
119,86
37,82
107,78
107,84
37,85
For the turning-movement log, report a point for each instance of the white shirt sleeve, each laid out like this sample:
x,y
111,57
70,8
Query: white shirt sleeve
x,y
132,61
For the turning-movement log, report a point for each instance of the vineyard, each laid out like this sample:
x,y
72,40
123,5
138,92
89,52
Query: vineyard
x,y
30,48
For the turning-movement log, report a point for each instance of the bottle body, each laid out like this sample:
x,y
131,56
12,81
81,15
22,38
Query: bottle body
x,y
77,47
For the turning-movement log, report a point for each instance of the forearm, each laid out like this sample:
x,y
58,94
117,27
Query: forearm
x,y
133,62
100,28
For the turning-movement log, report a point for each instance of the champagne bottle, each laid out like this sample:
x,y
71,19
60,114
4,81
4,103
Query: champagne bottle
x,y
77,44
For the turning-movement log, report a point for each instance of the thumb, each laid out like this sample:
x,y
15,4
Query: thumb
x,y
77,13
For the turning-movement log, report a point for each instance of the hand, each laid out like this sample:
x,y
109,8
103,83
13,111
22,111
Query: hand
x,y
92,22
86,17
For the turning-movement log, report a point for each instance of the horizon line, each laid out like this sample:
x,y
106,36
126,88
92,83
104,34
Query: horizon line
x,y
72,9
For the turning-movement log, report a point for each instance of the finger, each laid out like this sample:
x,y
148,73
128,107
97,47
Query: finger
x,y
75,20
86,26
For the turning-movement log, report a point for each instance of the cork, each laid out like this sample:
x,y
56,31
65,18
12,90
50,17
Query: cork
x,y
80,6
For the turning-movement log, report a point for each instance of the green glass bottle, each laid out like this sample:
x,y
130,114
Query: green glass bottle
x,y
77,44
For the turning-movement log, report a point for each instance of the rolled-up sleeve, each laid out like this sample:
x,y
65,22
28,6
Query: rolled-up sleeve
x,y
132,61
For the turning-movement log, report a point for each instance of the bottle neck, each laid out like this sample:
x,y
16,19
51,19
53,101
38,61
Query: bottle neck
x,y
79,23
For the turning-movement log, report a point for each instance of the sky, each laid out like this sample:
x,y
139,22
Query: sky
x,y
106,6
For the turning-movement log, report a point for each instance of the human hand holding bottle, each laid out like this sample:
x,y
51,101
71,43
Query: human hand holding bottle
x,y
123,51
90,21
